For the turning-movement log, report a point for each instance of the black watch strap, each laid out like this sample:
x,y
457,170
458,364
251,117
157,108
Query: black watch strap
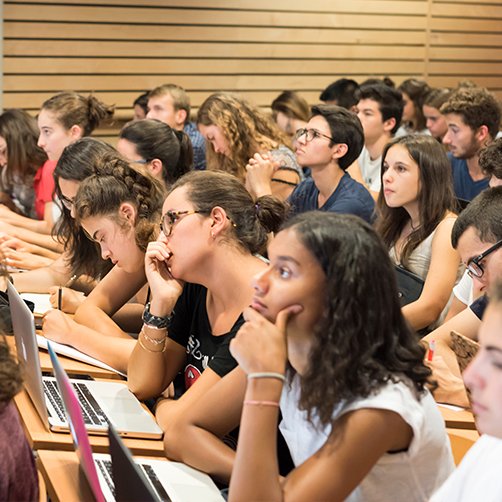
x,y
156,321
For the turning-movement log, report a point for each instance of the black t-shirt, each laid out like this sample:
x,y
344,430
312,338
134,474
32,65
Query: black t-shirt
x,y
190,328
479,306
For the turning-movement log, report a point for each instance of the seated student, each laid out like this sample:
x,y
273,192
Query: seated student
x,y
321,313
477,236
18,474
20,160
167,153
414,92
170,104
199,271
415,219
140,106
342,93
63,119
235,131
379,109
329,144
478,475
290,111
117,207
473,118
490,161
434,119
80,264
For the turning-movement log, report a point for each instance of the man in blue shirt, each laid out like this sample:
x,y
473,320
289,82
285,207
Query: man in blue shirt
x,y
331,142
473,118
170,104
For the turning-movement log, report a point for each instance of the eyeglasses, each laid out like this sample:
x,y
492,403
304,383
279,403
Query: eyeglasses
x,y
170,218
67,202
310,134
474,267
140,161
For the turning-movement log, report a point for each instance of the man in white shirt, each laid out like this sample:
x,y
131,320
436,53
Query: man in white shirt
x,y
380,109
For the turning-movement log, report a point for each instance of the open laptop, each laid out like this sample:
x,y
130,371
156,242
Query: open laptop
x,y
103,402
118,476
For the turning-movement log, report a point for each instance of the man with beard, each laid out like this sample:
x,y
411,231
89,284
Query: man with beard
x,y
473,118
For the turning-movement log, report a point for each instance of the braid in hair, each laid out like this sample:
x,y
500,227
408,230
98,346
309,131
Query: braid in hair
x,y
116,182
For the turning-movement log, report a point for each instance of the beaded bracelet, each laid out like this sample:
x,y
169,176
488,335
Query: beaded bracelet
x,y
275,404
155,341
267,374
150,350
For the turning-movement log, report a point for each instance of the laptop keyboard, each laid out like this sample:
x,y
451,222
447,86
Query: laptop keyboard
x,y
105,466
92,413
157,485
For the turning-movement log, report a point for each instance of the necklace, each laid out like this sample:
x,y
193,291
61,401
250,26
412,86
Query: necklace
x,y
412,227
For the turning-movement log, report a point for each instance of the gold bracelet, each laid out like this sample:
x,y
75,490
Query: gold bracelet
x,y
252,402
155,341
150,350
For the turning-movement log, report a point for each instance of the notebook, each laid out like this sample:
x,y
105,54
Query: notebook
x,y
118,476
103,402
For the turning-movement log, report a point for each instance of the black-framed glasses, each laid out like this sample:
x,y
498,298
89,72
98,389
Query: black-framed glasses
x,y
310,134
66,201
170,218
474,267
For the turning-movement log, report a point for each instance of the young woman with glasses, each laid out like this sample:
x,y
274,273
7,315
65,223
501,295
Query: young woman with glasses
x,y
199,272
329,144
415,218
325,343
237,131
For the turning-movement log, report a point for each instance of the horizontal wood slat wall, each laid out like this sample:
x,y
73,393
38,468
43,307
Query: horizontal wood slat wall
x,y
120,48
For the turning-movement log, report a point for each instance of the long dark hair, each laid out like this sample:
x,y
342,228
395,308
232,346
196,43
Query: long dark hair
x,y
155,140
78,162
362,341
435,197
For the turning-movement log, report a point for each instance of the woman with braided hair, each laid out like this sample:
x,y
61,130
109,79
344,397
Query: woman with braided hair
x,y
118,207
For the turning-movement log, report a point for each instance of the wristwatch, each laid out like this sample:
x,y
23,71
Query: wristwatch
x,y
156,321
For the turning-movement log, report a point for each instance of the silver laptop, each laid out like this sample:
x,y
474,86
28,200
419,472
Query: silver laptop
x,y
103,402
119,476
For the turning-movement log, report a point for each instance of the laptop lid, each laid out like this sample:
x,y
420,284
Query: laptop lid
x,y
130,483
77,426
23,326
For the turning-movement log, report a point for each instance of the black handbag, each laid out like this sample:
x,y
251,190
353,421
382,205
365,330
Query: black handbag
x,y
409,285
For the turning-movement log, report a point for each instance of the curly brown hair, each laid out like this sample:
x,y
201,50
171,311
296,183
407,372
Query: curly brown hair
x,y
115,182
477,107
10,374
362,340
246,128
490,159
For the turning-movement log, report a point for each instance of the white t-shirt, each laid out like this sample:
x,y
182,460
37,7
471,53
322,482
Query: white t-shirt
x,y
463,290
370,170
479,475
412,475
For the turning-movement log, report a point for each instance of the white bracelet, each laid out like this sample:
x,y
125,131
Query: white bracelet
x,y
267,374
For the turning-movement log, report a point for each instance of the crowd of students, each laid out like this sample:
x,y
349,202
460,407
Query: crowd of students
x,y
250,259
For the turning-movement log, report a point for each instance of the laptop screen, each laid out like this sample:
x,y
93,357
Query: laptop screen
x,y
77,426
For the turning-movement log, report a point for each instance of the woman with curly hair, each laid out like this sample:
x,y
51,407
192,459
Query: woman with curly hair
x,y
18,474
236,132
326,343
415,218
117,207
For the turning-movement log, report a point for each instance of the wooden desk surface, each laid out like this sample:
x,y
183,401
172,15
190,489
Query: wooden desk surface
x,y
72,366
41,438
463,419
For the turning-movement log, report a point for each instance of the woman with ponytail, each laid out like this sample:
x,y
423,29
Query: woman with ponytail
x,y
118,207
166,152
199,271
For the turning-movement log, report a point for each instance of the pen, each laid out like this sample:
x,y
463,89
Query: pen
x,y
432,348
71,281
60,297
